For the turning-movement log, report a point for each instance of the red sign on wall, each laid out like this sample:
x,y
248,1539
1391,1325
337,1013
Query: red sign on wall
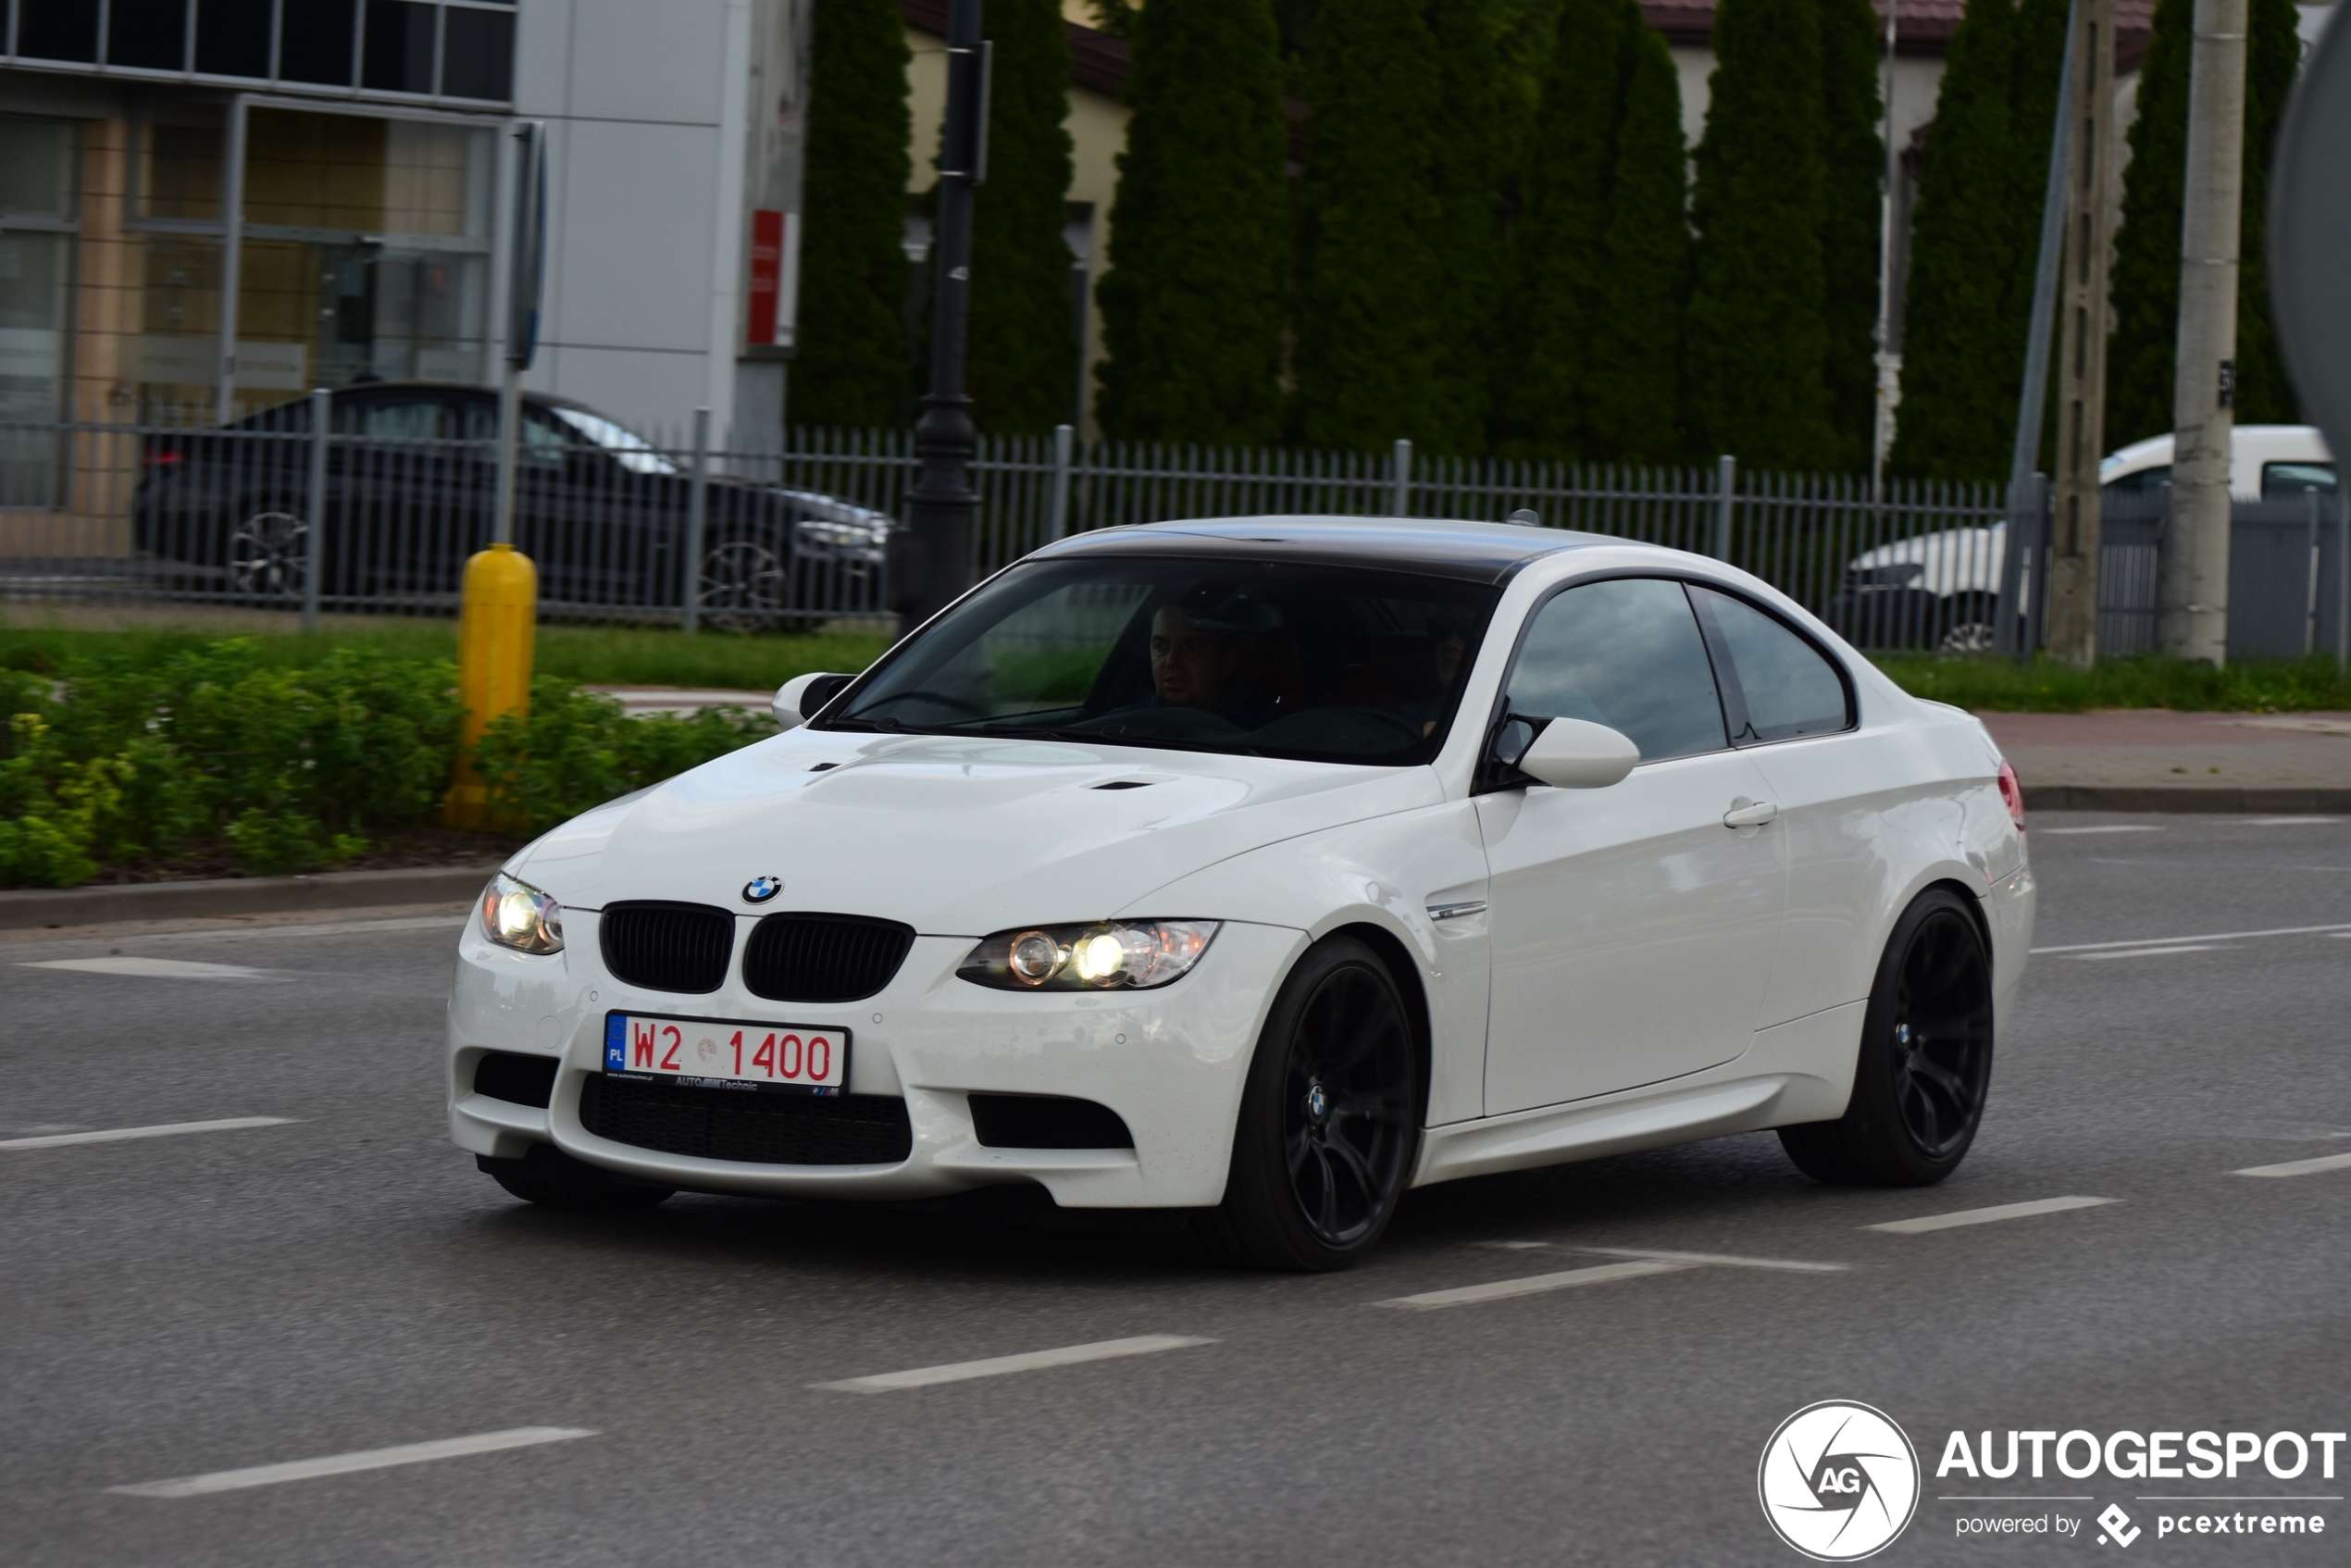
x,y
766,274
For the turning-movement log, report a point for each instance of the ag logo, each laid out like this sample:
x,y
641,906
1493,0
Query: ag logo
x,y
1838,1481
759,889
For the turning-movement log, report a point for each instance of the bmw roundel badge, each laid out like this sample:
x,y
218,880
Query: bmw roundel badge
x,y
759,889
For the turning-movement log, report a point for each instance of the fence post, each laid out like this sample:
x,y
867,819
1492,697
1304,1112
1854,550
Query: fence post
x,y
2311,611
314,546
1057,515
2037,564
697,499
2342,588
1726,480
1400,479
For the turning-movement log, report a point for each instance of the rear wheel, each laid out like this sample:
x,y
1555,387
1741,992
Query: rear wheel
x,y
547,1175
268,552
1925,1060
1329,1120
742,587
1971,626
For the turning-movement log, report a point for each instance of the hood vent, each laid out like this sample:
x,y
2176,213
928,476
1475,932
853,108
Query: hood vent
x,y
1127,784
823,957
667,946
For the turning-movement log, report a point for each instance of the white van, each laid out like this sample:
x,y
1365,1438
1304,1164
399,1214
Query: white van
x,y
2265,461
1941,590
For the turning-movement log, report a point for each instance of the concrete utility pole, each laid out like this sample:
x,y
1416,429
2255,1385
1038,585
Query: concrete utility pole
x,y
1889,360
2195,619
2073,558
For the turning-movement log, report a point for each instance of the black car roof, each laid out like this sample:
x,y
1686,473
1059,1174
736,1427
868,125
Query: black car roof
x,y
1478,551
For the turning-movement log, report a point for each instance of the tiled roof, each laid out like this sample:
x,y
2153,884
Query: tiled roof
x,y
1096,59
1923,27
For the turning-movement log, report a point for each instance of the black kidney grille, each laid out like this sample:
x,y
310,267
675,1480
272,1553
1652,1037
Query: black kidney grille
x,y
823,957
767,1128
668,947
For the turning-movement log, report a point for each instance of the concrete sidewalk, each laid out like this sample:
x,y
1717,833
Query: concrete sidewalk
x,y
2153,759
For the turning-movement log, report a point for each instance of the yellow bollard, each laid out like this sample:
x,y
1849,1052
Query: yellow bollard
x,y
497,616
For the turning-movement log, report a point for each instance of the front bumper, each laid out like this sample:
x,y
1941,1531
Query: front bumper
x,y
1170,1062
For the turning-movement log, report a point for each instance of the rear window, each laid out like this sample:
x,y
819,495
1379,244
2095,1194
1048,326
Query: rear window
x,y
2286,481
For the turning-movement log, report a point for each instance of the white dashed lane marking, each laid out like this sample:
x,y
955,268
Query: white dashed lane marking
x,y
346,1463
2339,928
163,1129
997,1367
2146,952
2299,1167
1534,1285
1720,1260
154,968
1988,1217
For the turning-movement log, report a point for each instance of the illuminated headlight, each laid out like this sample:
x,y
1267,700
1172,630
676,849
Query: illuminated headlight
x,y
518,916
1114,955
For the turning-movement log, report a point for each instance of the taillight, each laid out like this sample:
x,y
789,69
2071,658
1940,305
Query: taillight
x,y
2012,794
164,459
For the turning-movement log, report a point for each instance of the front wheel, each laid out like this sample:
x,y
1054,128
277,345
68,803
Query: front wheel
x,y
1329,1120
1925,1062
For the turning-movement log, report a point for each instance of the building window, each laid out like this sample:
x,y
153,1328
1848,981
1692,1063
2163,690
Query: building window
x,y
39,177
413,49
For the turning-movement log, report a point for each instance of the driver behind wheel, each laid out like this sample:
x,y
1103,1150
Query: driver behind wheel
x,y
1193,663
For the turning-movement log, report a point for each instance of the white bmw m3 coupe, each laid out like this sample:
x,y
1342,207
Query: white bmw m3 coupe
x,y
1255,871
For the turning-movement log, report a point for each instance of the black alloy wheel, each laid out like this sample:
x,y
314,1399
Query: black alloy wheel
x,y
1925,1060
269,552
1329,1119
742,587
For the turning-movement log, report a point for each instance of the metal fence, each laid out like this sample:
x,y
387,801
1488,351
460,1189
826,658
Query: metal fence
x,y
400,487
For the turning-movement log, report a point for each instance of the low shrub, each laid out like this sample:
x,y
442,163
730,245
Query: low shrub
x,y
110,757
578,750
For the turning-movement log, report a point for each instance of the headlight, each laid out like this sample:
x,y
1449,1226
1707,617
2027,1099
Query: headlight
x,y
1106,956
518,916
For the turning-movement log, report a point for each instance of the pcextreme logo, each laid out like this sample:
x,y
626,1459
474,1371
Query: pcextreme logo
x,y
1838,1481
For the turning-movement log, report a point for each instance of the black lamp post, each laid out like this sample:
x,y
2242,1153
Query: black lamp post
x,y
930,559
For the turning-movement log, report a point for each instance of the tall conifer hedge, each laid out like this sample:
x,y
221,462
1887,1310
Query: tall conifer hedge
x,y
2141,355
1600,251
1854,156
849,365
1975,242
1466,170
1757,334
1191,307
1023,343
1371,317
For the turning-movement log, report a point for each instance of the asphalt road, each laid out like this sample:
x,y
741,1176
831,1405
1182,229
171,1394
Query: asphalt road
x,y
344,1281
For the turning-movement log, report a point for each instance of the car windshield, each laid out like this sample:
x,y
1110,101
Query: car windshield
x,y
1329,664
628,448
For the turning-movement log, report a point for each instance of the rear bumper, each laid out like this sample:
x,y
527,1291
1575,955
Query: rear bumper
x,y
1170,1062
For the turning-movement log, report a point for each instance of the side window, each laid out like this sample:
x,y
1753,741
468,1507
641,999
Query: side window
x,y
2146,481
543,443
1626,654
2286,481
1786,687
392,418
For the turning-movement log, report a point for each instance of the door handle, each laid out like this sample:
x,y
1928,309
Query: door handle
x,y
1744,813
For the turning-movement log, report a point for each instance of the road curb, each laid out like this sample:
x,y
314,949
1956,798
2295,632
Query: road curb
x,y
2187,798
31,908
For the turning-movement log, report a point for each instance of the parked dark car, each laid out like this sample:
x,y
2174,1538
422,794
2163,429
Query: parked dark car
x,y
411,492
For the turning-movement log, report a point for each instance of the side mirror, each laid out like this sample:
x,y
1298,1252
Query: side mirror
x,y
1574,755
804,695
